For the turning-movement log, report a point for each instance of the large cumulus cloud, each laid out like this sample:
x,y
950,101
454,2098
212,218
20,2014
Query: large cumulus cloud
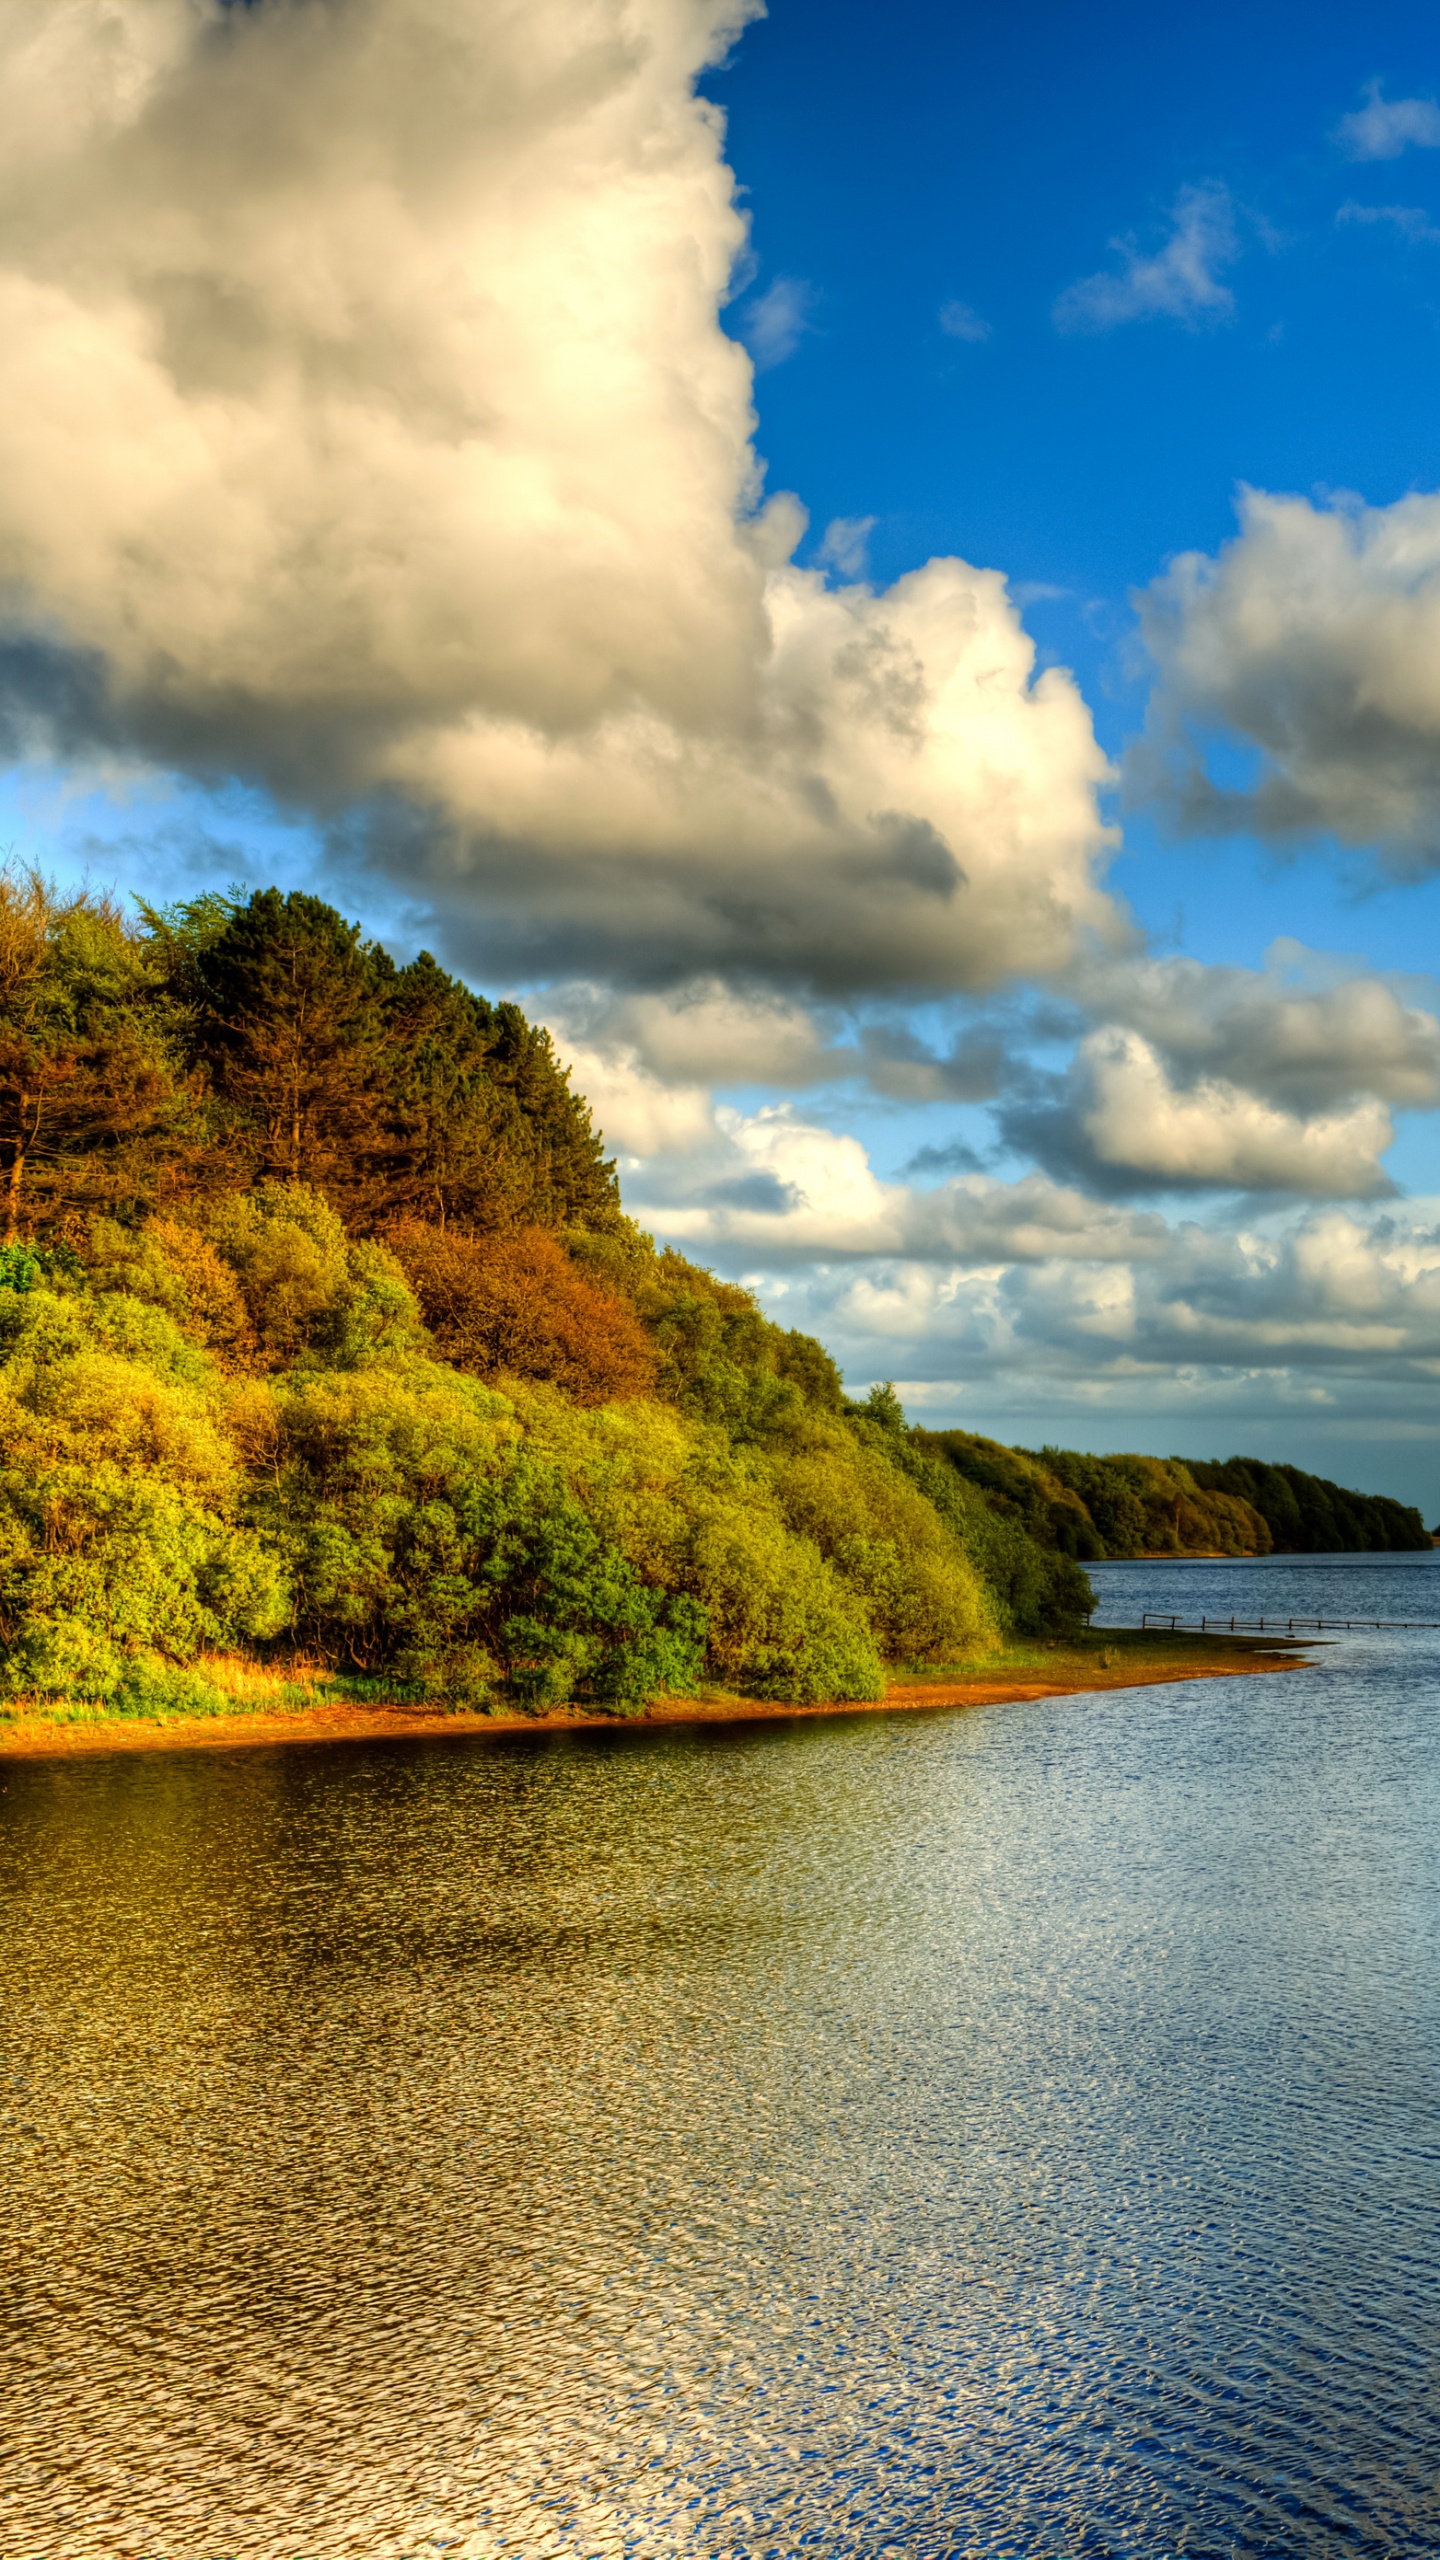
x,y
367,429
1306,1032
1122,1121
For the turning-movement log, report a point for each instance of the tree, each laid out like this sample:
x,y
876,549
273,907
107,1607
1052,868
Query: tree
x,y
461,1151
94,1105
516,1305
572,1182
399,1091
292,1024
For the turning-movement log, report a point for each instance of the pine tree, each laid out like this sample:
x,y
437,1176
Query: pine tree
x,y
292,1024
574,1180
460,1151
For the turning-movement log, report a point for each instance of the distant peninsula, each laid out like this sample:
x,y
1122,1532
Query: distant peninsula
x,y
327,1352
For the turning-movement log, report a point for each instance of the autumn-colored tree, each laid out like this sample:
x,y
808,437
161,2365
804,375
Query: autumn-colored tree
x,y
515,1305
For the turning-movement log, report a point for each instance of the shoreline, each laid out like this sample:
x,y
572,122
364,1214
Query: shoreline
x,y
1168,1660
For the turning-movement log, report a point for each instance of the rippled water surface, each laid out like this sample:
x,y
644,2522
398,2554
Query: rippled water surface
x,y
998,2133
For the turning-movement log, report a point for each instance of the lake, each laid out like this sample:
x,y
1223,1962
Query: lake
x,y
1003,2132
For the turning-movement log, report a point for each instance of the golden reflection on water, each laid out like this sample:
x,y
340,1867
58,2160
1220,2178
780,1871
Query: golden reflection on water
x,y
873,2137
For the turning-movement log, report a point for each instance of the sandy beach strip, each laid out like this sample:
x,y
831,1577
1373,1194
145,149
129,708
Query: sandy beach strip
x,y
29,1736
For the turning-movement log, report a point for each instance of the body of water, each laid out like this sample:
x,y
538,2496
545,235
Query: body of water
x,y
999,2133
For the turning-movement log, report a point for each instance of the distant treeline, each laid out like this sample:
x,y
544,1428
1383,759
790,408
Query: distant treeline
x,y
1090,1508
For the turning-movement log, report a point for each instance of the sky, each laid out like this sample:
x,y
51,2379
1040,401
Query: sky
x,y
882,573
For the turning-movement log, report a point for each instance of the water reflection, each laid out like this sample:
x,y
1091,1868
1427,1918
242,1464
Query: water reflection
x,y
958,2134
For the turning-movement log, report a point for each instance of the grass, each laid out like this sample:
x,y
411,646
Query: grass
x,y
1088,1651
230,1685
219,1685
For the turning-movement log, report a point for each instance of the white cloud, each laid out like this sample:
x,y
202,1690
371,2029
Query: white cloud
x,y
1215,1133
646,1063
1384,127
1305,1033
789,1190
1190,1075
1178,281
1330,1311
1410,220
844,546
777,319
637,1113
991,1301
367,430
710,1032
958,320
1314,636
912,806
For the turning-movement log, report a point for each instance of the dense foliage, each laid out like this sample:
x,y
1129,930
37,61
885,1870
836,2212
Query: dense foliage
x,y
231,1428
322,1333
1308,1515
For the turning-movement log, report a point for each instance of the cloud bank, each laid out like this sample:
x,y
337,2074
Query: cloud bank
x,y
1127,1117
368,430
1332,1315
1197,1077
990,1300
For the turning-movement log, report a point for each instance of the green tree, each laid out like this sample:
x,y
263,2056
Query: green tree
x,y
573,1181
291,1022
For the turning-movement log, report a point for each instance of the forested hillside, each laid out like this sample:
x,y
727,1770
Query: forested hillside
x,y
323,1335
321,1329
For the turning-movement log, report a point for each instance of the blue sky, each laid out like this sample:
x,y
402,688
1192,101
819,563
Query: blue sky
x,y
386,522
991,158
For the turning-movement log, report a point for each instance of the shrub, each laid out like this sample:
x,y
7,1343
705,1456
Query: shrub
x,y
174,1267
62,1656
924,1599
781,1623
516,1306
119,1495
149,1687
289,1255
1034,1588
134,1558
418,1530
693,1516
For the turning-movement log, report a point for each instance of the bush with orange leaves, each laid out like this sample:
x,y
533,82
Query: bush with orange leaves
x,y
515,1305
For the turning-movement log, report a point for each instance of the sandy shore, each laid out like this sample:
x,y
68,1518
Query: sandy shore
x,y
1131,1665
